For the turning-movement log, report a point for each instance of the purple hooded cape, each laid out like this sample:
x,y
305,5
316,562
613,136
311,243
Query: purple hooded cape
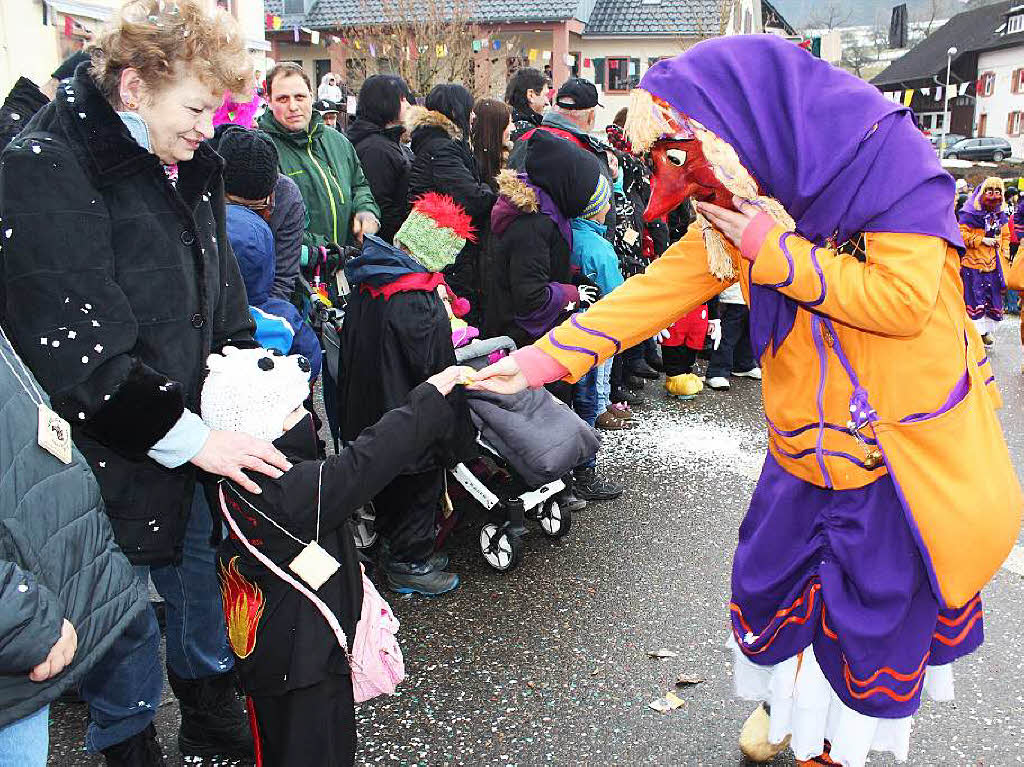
x,y
839,156
972,214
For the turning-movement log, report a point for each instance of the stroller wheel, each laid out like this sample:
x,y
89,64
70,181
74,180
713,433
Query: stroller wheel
x,y
363,528
501,548
555,520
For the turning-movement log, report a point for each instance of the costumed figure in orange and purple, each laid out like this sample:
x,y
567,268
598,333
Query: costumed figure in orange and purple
x,y
984,224
887,498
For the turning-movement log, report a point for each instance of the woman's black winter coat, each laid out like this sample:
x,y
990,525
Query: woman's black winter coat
x,y
445,164
115,287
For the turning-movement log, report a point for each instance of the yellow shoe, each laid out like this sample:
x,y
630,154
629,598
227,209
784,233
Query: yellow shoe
x,y
686,386
754,741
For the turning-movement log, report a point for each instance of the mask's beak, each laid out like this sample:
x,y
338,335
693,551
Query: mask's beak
x,y
662,200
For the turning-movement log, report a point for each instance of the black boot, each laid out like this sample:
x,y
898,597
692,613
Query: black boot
x,y
591,487
139,750
213,719
567,498
642,369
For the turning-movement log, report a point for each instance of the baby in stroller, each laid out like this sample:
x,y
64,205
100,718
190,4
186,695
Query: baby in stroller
x,y
518,470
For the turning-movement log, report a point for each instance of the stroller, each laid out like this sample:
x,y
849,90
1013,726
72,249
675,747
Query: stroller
x,y
512,500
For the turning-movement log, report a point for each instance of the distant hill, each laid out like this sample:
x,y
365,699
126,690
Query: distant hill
x,y
802,13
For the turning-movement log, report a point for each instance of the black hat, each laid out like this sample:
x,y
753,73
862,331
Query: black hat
x,y
567,173
69,65
325,106
251,163
577,93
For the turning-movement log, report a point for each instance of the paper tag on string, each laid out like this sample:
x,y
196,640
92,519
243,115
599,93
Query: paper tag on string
x,y
54,435
314,565
630,236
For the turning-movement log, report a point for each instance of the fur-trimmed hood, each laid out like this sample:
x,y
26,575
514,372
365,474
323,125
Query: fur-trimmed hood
x,y
421,117
519,197
514,187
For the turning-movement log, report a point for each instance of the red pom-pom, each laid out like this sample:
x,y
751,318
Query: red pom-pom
x,y
447,213
460,307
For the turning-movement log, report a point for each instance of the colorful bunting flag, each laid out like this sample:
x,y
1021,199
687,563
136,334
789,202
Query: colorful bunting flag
x,y
908,96
547,56
476,46
533,54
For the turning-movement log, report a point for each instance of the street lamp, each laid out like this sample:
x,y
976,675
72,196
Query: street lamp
x,y
946,117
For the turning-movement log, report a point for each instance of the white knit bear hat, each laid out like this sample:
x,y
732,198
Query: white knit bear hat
x,y
252,391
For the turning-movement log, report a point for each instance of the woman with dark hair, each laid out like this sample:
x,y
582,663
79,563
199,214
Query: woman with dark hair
x,y
527,94
376,135
491,137
444,163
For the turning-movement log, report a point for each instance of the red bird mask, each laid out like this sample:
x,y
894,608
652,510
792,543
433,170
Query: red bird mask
x,y
681,170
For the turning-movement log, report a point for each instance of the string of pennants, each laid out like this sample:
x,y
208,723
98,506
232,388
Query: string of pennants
x,y
275,23
906,97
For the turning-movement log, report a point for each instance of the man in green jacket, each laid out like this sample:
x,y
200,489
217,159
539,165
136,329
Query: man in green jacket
x,y
339,204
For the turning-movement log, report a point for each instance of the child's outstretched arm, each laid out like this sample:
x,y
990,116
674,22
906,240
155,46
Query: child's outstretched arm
x,y
383,451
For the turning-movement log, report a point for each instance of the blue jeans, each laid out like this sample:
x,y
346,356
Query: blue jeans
x,y
734,353
584,397
123,689
604,386
25,742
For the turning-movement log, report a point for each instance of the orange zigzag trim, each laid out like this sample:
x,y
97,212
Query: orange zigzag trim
x,y
962,635
791,619
963,614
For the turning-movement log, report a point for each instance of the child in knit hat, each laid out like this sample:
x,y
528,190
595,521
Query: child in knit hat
x,y
595,257
250,175
397,333
290,553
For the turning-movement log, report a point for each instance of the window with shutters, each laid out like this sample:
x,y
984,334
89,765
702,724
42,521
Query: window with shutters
x,y
618,74
599,73
986,84
1015,124
1017,81
1015,24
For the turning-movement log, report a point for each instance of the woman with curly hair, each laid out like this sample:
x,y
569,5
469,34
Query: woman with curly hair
x,y
117,282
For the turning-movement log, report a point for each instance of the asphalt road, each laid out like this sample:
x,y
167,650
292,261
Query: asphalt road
x,y
548,664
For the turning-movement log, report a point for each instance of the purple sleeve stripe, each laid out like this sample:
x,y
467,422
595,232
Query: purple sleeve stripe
x,y
789,257
821,276
991,379
579,349
597,333
983,361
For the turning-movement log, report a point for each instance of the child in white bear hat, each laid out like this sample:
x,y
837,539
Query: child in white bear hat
x,y
294,540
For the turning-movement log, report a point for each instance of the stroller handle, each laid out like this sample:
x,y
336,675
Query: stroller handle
x,y
476,354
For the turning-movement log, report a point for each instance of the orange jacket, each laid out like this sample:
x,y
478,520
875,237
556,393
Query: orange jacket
x,y
981,256
899,316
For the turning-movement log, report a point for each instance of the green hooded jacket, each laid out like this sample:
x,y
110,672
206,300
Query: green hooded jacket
x,y
324,165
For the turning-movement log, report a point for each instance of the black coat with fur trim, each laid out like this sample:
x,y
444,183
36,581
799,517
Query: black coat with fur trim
x,y
115,285
445,164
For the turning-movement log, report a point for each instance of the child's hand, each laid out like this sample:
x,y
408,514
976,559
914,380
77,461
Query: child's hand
x,y
451,377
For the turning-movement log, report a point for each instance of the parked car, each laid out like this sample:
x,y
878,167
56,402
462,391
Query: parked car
x,y
994,149
951,139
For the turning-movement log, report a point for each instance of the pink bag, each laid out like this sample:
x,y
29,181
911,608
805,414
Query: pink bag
x,y
376,659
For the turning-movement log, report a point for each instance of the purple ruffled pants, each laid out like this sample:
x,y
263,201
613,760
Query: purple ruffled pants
x,y
839,570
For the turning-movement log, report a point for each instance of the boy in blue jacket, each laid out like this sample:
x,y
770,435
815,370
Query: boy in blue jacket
x,y
595,257
249,178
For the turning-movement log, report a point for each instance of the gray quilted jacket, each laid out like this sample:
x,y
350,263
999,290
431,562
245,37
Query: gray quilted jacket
x,y
58,558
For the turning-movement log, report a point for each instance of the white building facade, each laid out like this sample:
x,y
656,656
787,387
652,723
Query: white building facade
x,y
999,109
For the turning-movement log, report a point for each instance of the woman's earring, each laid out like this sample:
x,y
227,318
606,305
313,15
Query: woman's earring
x,y
127,102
